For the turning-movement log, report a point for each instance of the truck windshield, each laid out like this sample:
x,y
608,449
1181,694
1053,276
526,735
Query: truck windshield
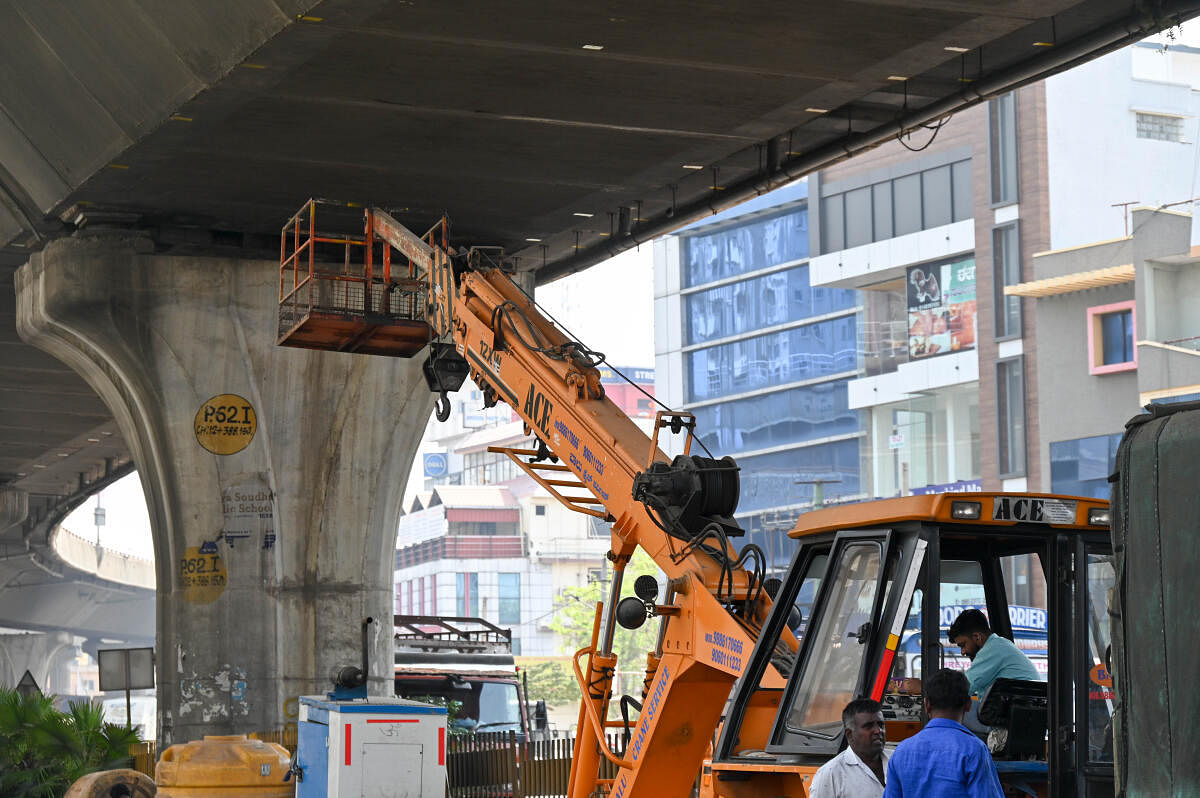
x,y
499,707
474,704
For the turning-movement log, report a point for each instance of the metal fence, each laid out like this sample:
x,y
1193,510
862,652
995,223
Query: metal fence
x,y
500,765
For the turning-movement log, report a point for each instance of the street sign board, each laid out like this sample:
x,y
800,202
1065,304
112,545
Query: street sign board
x,y
126,668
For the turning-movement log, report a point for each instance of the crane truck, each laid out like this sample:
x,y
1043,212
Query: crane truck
x,y
880,571
417,293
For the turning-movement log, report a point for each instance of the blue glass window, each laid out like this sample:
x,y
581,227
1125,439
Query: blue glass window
x,y
761,302
802,353
510,598
1081,467
776,419
745,248
769,480
1116,333
467,587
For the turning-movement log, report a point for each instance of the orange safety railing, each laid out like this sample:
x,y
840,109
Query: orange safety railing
x,y
337,290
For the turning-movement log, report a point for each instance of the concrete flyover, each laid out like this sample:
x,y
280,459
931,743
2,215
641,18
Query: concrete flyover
x,y
83,591
79,588
150,152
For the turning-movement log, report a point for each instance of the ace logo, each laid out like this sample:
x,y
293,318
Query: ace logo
x,y
1032,510
537,409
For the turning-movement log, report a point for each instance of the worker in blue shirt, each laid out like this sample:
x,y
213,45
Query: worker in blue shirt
x,y
992,656
945,759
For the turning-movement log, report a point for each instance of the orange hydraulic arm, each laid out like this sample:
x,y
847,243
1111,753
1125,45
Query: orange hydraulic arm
x,y
677,511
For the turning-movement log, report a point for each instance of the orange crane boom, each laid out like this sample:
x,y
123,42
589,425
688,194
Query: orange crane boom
x,y
597,461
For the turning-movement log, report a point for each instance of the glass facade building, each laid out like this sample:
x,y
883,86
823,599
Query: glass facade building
x,y
1081,467
764,361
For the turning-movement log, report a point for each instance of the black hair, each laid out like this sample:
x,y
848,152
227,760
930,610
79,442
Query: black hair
x,y
967,623
947,689
855,707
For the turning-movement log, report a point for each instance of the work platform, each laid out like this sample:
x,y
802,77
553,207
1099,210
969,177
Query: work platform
x,y
360,302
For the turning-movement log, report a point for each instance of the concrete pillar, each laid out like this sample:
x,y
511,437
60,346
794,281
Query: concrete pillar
x,y
46,655
14,507
273,476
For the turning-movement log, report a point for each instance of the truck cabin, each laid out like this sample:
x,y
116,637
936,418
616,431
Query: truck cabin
x,y
475,703
465,664
870,594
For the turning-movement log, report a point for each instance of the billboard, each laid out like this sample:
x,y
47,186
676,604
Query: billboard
x,y
941,308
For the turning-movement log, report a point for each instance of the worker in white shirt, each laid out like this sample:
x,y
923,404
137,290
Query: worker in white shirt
x,y
857,772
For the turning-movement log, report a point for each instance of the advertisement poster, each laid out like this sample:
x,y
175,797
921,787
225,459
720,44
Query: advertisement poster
x,y
941,309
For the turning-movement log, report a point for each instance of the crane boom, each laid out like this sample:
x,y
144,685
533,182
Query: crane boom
x,y
679,511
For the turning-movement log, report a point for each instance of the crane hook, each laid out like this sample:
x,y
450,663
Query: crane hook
x,y
442,408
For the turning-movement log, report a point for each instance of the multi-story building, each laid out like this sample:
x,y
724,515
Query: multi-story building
x,y
1120,330
948,378
953,363
485,540
762,358
455,452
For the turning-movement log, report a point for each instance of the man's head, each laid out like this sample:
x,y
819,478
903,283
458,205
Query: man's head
x,y
863,721
947,694
969,632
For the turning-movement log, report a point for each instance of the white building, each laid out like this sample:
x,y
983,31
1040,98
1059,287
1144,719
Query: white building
x,y
484,539
499,552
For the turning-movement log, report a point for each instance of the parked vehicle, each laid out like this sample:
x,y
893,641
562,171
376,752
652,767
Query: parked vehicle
x,y
465,664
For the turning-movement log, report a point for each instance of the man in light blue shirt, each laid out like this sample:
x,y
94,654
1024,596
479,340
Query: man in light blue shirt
x,y
992,656
945,759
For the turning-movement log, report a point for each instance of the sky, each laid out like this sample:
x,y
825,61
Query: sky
x,y
1187,33
127,523
609,307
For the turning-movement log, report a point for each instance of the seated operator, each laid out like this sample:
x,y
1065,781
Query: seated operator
x,y
992,657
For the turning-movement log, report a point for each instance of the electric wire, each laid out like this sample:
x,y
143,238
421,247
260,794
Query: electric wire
x,y
615,370
936,128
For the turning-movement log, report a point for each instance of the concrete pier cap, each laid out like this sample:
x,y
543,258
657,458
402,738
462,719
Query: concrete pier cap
x,y
273,476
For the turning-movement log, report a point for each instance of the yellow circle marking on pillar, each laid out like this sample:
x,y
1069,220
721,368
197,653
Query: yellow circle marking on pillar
x,y
225,424
202,576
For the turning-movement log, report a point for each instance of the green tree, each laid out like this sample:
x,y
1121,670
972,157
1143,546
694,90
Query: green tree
x,y
553,682
43,751
575,613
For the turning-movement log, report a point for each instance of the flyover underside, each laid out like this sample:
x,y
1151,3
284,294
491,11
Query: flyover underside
x,y
559,136
563,137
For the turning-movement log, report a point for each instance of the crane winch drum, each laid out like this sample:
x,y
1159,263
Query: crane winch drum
x,y
691,493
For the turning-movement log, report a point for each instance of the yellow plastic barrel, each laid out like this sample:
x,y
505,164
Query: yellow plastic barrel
x,y
231,766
